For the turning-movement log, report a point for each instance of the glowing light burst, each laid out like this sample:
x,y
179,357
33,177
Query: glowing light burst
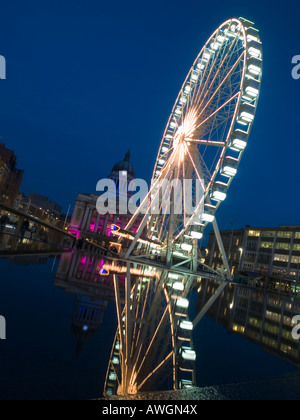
x,y
189,123
184,134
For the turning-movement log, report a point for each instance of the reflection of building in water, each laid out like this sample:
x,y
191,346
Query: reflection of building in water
x,y
257,315
87,317
88,223
80,275
29,259
272,251
83,274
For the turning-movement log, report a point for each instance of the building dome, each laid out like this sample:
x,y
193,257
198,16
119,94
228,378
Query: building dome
x,y
125,165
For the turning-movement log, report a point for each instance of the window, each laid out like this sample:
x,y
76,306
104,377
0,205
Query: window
x,y
273,329
238,328
266,245
273,316
283,234
296,247
254,233
288,350
297,235
295,260
269,342
283,246
255,322
281,258
252,244
268,234
264,256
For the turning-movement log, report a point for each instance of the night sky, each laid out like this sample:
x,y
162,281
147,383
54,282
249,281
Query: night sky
x,y
87,80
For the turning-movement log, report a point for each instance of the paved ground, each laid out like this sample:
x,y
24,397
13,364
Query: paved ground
x,y
286,387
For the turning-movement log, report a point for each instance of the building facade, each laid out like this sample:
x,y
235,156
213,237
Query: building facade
x,y
270,251
41,202
10,177
88,223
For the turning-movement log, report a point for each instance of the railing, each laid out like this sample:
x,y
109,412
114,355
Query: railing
x,y
21,233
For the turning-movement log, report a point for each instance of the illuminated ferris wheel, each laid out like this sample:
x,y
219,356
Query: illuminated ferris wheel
x,y
204,141
209,126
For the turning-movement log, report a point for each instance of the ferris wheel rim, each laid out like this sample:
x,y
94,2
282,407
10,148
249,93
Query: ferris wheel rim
x,y
242,25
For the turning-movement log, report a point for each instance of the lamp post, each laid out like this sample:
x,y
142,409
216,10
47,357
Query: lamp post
x,y
69,208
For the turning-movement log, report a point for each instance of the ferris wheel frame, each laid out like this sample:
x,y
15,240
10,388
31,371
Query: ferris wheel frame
x,y
134,342
231,147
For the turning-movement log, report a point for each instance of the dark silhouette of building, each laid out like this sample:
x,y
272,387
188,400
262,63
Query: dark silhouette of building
x,y
86,319
10,177
42,202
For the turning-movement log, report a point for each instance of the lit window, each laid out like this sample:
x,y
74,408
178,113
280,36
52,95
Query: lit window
x,y
281,258
283,246
266,245
254,233
284,234
296,260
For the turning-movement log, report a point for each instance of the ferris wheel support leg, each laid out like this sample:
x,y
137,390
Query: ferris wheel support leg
x,y
223,285
221,248
138,234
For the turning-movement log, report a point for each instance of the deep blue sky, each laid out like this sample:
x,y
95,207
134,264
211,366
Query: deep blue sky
x,y
86,80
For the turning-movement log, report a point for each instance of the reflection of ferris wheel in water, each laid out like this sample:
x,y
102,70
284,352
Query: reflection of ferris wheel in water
x,y
204,141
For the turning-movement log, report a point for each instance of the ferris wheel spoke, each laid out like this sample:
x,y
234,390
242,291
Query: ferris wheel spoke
x,y
224,56
216,104
136,342
169,356
221,85
211,130
203,88
199,168
218,110
208,142
152,341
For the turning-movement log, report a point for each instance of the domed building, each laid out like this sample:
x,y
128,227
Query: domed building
x,y
86,222
123,166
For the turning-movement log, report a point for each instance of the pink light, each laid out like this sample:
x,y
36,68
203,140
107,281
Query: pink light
x,y
75,232
83,260
101,264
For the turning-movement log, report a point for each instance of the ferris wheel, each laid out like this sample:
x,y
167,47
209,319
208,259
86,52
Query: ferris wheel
x,y
208,129
203,142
